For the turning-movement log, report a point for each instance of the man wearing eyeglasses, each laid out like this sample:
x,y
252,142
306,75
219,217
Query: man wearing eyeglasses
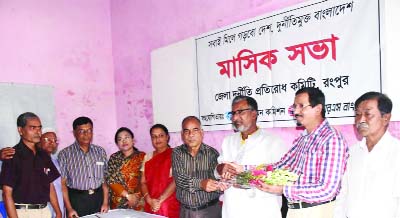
x,y
318,156
248,147
27,178
48,143
193,165
83,170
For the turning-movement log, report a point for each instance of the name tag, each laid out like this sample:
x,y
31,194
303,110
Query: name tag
x,y
100,163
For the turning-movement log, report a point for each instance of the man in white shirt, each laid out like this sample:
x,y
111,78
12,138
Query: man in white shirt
x,y
49,144
371,186
249,146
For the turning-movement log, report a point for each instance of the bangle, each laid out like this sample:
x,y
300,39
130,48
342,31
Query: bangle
x,y
144,196
127,194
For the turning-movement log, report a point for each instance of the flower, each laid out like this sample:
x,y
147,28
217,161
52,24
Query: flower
x,y
265,174
258,173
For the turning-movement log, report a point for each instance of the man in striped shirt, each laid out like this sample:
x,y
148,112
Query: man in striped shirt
x,y
193,165
83,166
319,156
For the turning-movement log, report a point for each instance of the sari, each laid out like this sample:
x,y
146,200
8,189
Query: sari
x,y
124,174
157,172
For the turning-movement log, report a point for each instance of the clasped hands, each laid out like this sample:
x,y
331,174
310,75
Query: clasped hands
x,y
154,203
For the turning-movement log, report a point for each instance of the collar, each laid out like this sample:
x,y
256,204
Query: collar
x,y
317,130
379,146
201,149
27,151
78,147
254,134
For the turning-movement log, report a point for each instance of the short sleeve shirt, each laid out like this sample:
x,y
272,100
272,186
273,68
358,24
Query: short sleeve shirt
x,y
29,175
82,170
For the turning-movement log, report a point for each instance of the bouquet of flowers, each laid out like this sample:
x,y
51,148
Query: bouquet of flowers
x,y
266,174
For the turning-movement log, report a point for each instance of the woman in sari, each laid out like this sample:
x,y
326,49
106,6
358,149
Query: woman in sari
x,y
158,185
124,173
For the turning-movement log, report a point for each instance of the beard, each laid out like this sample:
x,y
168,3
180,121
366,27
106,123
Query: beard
x,y
298,124
239,128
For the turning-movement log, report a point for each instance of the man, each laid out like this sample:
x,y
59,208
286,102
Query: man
x,y
48,143
319,157
193,165
371,183
249,146
27,178
83,171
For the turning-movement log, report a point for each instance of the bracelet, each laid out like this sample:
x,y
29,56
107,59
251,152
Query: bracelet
x,y
127,194
144,196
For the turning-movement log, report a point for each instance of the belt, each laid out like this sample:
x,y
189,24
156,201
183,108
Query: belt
x,y
210,203
300,205
30,206
89,192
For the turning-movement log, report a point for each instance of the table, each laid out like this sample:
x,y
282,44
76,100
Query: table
x,y
123,213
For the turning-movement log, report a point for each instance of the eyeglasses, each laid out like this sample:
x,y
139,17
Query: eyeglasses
x,y
125,138
84,131
188,132
293,107
239,112
50,140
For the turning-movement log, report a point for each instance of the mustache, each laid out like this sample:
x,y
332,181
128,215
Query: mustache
x,y
298,124
362,125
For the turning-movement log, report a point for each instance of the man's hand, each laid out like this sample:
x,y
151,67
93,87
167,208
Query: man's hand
x,y
229,170
104,208
223,185
209,185
72,213
7,153
274,189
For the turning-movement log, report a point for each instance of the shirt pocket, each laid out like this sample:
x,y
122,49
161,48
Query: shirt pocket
x,y
312,164
40,176
98,169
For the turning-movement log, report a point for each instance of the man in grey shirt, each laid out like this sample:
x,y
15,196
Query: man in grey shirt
x,y
83,168
193,165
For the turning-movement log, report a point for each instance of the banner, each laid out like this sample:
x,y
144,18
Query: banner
x,y
332,44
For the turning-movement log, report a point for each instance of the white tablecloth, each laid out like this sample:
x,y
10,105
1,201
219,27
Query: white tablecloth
x,y
123,213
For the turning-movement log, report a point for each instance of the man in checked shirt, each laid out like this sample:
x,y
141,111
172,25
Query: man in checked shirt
x,y
319,156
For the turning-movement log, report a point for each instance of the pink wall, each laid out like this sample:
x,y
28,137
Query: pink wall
x,y
65,44
141,26
96,54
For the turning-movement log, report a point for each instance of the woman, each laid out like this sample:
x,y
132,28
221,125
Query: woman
x,y
124,173
158,185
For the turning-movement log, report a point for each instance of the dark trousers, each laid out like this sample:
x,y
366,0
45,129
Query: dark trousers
x,y
85,204
213,211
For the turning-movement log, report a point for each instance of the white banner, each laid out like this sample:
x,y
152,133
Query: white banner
x,y
332,44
